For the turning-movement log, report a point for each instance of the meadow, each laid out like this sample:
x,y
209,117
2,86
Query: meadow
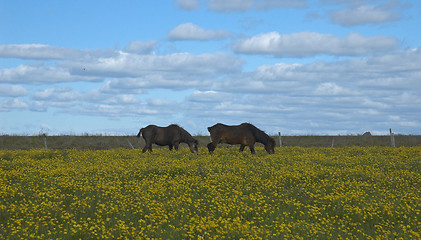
x,y
296,193
98,142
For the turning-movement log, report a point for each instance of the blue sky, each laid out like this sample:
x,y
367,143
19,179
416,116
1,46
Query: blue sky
x,y
290,66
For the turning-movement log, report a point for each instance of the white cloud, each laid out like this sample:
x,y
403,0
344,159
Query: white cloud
x,y
271,4
190,31
153,81
119,64
53,96
240,5
65,99
133,65
61,98
116,86
279,97
245,5
159,102
139,47
16,103
64,94
37,51
187,4
209,96
12,104
279,72
12,91
311,43
341,2
363,14
120,99
40,51
231,5
330,88
40,73
395,71
122,110
335,96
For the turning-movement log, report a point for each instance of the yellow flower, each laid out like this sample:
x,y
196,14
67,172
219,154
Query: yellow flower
x,y
320,193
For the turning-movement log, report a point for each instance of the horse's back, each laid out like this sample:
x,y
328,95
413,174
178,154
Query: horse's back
x,y
216,127
169,134
236,134
149,128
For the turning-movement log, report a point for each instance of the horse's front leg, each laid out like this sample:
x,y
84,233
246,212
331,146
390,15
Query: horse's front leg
x,y
242,147
170,147
211,147
252,149
176,144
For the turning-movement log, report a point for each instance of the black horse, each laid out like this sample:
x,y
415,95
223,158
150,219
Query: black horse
x,y
172,136
245,134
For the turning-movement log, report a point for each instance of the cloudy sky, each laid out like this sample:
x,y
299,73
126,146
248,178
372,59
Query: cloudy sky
x,y
290,66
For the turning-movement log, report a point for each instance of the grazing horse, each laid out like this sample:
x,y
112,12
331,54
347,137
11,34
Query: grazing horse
x,y
245,134
172,136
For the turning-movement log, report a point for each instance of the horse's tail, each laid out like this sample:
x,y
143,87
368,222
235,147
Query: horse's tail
x,y
140,131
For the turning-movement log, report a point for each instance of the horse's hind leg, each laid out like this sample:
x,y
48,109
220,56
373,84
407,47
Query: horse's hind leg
x,y
170,147
242,147
148,147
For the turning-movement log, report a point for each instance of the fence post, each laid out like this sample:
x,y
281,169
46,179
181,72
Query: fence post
x,y
280,139
45,143
130,144
333,141
392,138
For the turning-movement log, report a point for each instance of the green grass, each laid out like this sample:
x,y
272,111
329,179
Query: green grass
x,y
110,142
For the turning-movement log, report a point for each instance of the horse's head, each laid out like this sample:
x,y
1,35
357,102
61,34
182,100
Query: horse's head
x,y
270,146
194,146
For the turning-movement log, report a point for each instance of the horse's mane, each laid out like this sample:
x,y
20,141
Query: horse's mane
x,y
186,136
260,135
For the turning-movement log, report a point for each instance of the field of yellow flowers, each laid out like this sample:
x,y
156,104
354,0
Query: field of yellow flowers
x,y
302,193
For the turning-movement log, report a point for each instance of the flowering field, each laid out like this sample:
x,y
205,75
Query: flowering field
x,y
317,193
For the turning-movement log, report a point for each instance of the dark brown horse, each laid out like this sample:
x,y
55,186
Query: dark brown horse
x,y
245,134
172,136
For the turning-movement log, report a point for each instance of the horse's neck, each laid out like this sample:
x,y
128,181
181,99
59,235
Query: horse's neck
x,y
261,138
187,138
